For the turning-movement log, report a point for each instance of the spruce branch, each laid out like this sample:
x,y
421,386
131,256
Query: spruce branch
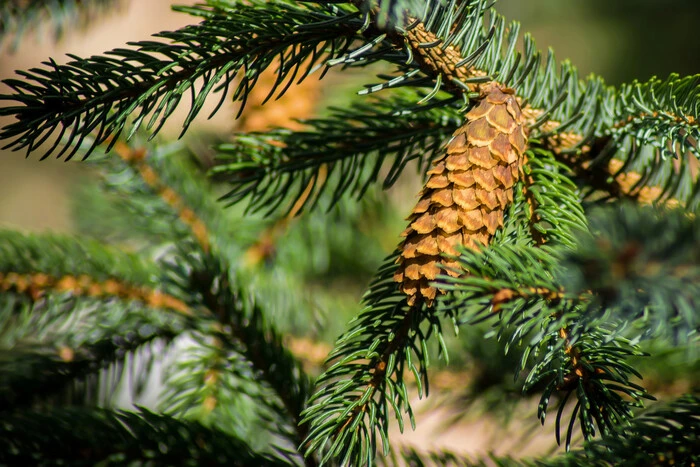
x,y
555,210
569,115
595,369
146,164
56,372
448,45
95,96
456,49
264,248
49,300
80,436
236,330
649,146
643,264
564,113
660,113
345,152
239,326
62,255
517,288
391,14
665,435
365,381
262,114
514,284
580,334
349,410
60,358
35,265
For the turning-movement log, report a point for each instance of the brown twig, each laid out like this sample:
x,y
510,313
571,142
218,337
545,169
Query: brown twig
x,y
136,158
38,284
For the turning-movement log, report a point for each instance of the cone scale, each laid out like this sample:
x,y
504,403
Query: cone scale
x,y
466,194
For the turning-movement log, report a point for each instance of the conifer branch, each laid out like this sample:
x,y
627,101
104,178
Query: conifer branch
x,y
241,327
39,284
365,380
564,120
590,359
539,321
101,436
439,40
45,293
263,114
237,330
51,372
257,342
645,268
347,151
560,109
95,96
575,104
136,158
264,248
665,435
553,199
34,264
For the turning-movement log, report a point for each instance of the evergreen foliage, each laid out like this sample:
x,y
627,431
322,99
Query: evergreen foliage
x,y
168,301
18,17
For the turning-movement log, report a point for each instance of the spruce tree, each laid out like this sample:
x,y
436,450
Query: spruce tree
x,y
557,219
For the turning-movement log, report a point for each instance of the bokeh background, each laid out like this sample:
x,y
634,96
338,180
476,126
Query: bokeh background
x,y
621,40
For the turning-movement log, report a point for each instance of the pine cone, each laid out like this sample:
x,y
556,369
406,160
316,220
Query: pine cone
x,y
466,194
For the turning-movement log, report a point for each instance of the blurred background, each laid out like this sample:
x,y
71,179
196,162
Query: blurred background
x,y
621,40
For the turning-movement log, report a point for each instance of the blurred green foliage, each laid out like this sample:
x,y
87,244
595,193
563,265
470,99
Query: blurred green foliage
x,y
621,40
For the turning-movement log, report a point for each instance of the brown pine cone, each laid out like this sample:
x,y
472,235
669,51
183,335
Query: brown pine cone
x,y
466,194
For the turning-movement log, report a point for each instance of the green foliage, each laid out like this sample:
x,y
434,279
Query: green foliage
x,y
349,412
586,304
223,355
532,315
655,133
149,80
644,264
237,358
17,18
91,436
96,331
557,203
364,143
573,295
